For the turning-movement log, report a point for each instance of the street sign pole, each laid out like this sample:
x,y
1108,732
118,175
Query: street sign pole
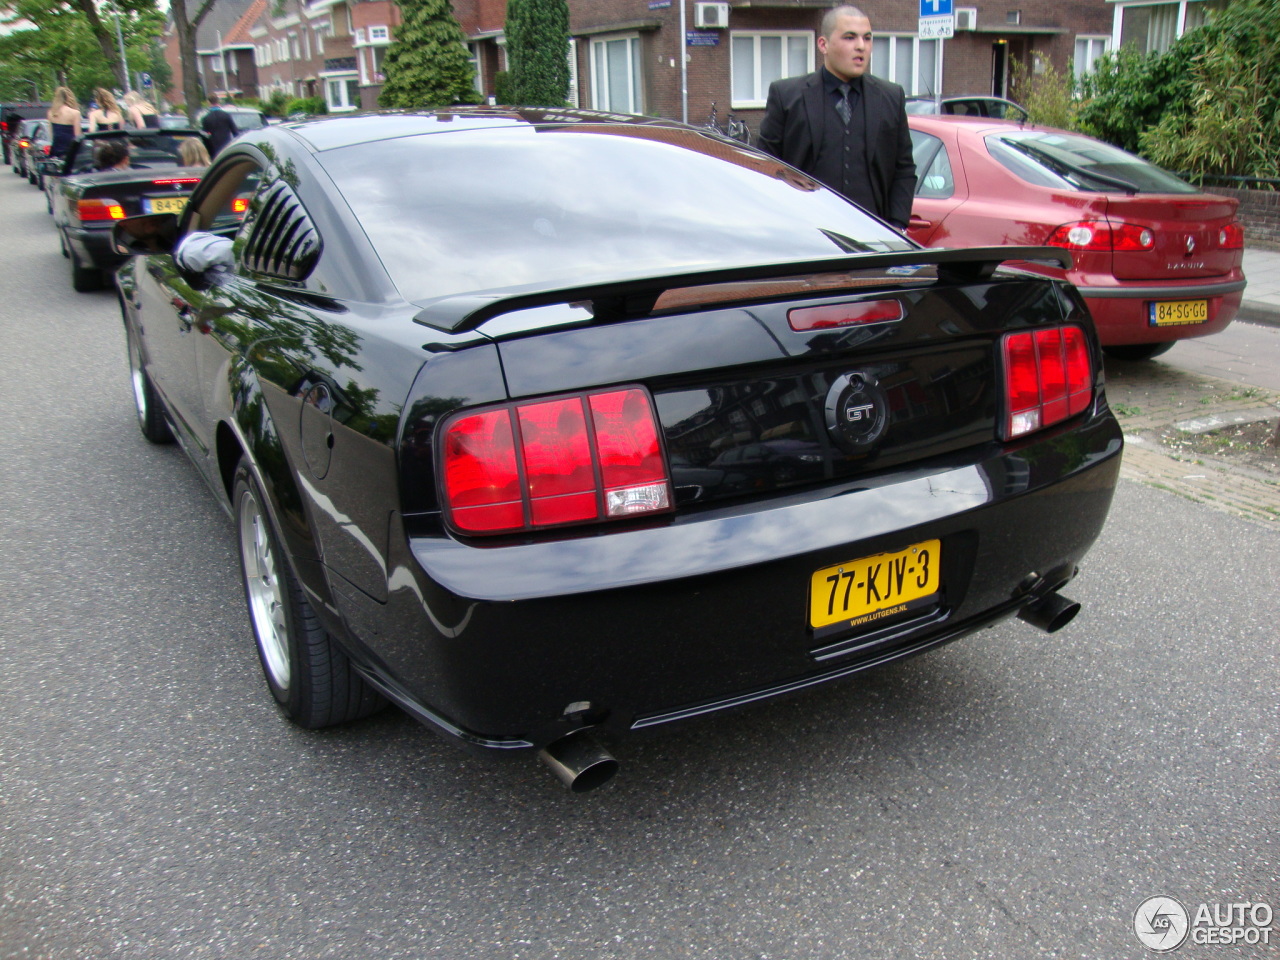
x,y
937,22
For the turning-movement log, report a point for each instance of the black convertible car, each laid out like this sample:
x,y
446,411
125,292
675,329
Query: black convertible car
x,y
86,201
551,426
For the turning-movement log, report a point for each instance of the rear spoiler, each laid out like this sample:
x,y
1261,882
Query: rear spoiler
x,y
631,298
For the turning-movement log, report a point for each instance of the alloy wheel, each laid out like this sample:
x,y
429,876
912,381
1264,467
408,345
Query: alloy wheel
x,y
264,590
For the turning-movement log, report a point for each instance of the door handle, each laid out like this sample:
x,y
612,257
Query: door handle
x,y
919,223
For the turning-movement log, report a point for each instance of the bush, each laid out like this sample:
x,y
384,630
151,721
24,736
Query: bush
x,y
1229,121
311,106
503,89
1047,96
276,104
1129,92
538,51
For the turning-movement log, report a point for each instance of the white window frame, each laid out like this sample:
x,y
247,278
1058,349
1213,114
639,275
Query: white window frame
x,y
761,89
575,94
379,35
342,79
1091,58
889,70
600,77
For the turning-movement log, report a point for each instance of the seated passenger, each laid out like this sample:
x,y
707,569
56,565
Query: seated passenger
x,y
111,155
193,153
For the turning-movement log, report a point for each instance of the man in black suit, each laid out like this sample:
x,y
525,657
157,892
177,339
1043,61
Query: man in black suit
x,y
843,126
217,123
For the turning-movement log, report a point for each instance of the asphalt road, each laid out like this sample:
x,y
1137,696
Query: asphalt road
x,y
1013,795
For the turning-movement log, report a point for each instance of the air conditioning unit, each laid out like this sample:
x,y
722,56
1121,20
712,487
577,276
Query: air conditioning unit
x,y
711,16
966,18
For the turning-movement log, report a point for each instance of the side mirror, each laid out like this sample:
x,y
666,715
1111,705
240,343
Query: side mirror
x,y
152,233
50,167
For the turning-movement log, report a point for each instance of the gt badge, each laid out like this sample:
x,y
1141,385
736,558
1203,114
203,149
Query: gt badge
x,y
857,412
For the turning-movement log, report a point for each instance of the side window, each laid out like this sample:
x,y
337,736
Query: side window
x,y
222,209
279,241
934,178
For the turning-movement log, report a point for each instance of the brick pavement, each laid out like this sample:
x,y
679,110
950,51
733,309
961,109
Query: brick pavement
x,y
1150,398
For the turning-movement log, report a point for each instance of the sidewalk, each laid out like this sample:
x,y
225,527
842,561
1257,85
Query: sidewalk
x,y
1262,295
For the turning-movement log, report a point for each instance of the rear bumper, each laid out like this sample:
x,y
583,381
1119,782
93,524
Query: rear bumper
x,y
1122,313
657,624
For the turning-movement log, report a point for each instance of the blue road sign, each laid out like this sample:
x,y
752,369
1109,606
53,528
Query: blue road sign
x,y
146,77
936,8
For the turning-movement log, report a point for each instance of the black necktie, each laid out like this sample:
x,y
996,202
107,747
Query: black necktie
x,y
842,105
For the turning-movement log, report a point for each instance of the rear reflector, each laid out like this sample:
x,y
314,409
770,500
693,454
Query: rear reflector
x,y
582,458
95,209
845,314
1048,378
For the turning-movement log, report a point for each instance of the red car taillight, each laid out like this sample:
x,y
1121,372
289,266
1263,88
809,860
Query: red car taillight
x,y
576,459
96,209
182,181
1048,377
1231,237
46,148
24,144
1102,235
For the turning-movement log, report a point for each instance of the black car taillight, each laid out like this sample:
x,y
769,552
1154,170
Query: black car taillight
x,y
1048,377
99,209
582,458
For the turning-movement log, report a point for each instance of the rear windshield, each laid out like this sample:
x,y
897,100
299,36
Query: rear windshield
x,y
1067,161
146,151
451,213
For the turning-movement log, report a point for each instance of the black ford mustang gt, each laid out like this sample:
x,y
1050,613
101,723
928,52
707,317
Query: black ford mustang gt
x,y
541,423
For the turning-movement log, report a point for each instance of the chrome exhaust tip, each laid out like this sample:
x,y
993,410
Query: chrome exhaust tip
x,y
1050,613
579,761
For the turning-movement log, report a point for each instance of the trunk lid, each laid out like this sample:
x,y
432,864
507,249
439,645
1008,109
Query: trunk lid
x,y
1186,230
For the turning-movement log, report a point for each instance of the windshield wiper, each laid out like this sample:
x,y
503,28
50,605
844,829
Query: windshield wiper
x,y
1066,170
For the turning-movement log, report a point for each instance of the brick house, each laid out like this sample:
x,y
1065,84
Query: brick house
x,y
326,48
224,53
625,54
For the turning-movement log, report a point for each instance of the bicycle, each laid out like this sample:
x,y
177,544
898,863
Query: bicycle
x,y
733,128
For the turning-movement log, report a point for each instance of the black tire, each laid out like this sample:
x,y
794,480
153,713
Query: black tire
x,y
151,419
83,279
1138,351
310,677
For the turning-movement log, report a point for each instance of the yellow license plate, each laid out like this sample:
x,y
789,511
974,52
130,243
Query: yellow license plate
x,y
1175,313
875,588
166,204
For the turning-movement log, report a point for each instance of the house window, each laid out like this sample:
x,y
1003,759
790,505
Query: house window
x,y
573,73
1088,50
616,81
758,59
910,62
359,36
319,41
342,94
473,58
379,35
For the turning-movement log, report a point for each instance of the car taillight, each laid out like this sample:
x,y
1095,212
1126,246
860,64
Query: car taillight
x,y
96,209
46,148
1102,235
239,204
184,181
1048,377
1231,237
24,144
576,459
853,314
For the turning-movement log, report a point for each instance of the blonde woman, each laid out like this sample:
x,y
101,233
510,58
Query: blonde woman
x,y
192,153
64,117
107,115
141,113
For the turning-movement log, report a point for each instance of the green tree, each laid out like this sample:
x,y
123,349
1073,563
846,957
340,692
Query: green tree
x,y
1129,91
187,17
427,64
1229,120
538,51
1046,95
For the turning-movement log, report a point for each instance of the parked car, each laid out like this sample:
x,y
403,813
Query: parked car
x,y
11,117
86,201
975,106
465,423
29,132
1156,259
245,118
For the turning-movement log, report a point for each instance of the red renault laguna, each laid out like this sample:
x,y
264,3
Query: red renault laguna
x,y
1156,259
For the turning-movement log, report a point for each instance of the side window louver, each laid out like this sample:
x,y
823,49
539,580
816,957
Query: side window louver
x,y
284,242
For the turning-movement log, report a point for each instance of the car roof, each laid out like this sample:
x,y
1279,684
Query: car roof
x,y
936,122
344,130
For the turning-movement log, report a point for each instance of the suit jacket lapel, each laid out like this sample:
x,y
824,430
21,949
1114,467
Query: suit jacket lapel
x,y
816,114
